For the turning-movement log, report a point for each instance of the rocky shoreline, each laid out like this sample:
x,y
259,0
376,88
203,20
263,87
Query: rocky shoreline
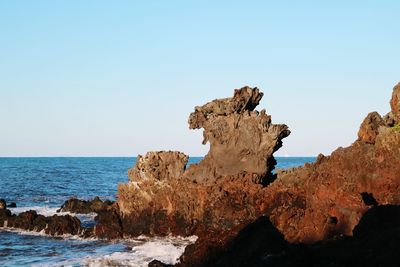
x,y
321,214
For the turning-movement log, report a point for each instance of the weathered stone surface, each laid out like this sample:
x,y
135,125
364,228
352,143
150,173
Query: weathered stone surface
x,y
75,205
218,197
370,128
164,165
375,243
328,197
241,139
218,193
395,103
31,221
3,204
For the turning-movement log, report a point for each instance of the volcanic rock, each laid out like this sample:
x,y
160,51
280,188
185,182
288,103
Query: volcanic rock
x,y
218,193
241,139
395,103
369,129
231,187
327,198
75,205
31,221
3,204
375,243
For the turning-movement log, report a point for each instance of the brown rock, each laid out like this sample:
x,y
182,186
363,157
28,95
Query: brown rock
x,y
218,197
395,103
158,166
3,204
329,197
241,139
370,127
220,192
75,205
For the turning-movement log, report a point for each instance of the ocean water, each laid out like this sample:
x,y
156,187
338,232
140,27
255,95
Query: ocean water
x,y
43,184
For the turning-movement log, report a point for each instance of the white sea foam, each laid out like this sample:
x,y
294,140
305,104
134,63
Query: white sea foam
x,y
144,250
50,211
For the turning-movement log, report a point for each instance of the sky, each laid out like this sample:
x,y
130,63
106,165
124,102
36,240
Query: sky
x,y
119,78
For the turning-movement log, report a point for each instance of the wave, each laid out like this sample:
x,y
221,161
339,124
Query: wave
x,y
143,251
50,211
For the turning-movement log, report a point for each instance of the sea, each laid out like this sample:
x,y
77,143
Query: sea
x,y
43,184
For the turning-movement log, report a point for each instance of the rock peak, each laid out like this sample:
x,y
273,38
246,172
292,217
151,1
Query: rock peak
x,y
395,103
242,140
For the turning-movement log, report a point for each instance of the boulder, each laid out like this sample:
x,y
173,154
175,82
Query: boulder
x,y
395,103
3,204
75,205
220,192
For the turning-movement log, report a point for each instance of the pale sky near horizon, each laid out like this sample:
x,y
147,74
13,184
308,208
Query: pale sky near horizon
x,y
119,78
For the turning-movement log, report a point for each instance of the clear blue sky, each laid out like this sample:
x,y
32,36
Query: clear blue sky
x,y
121,77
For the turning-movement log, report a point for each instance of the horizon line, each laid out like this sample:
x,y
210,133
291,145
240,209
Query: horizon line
x,y
127,156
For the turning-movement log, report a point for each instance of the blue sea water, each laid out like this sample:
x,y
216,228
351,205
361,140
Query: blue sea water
x,y
43,184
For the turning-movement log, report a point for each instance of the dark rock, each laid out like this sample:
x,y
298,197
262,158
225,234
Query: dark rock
x,y
31,221
369,199
375,243
12,205
249,247
108,225
156,263
75,205
3,204
61,225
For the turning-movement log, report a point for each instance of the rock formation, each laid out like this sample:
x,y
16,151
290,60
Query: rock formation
x,y
231,187
75,205
31,221
244,214
324,199
217,193
375,243
241,139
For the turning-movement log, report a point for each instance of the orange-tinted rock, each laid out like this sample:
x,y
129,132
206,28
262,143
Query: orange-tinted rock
x,y
395,102
330,196
219,196
370,128
219,192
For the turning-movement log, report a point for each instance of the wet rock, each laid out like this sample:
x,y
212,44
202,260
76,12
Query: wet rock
x,y
12,205
61,225
375,243
108,225
248,247
31,221
75,205
3,204
156,263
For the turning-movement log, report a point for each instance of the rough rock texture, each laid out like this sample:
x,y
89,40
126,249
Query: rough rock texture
x,y
230,188
328,197
369,129
75,205
375,243
217,194
3,204
395,103
31,221
241,139
158,166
